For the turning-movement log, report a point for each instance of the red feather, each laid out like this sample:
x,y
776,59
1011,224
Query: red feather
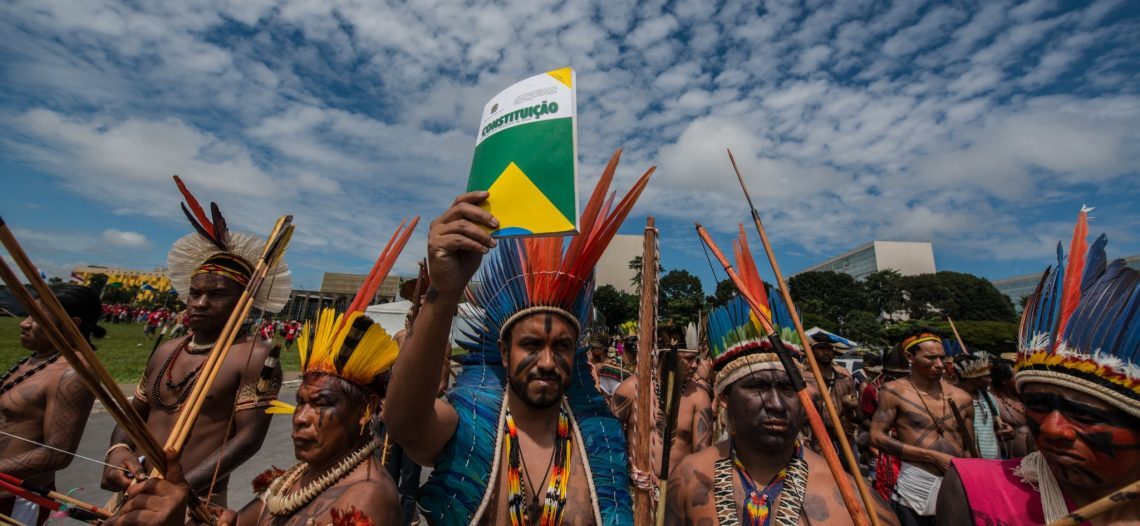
x,y
352,517
199,213
1071,290
381,268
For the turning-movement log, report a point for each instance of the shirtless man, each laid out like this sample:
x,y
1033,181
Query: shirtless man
x,y
765,418
232,423
918,407
547,412
330,434
1011,409
42,400
694,428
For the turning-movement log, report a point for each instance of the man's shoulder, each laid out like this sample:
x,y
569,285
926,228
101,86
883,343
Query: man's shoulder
x,y
958,393
841,370
627,386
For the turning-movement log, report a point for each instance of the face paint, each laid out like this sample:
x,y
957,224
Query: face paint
x,y
1086,442
540,359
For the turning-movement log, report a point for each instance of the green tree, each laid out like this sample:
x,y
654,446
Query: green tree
x,y
616,306
635,266
117,293
725,290
885,292
829,296
682,297
955,294
55,280
98,282
994,337
864,327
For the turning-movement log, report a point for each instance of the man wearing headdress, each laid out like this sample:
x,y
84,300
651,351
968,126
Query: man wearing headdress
x,y
339,480
932,420
694,425
43,401
989,429
1010,407
210,269
840,385
761,474
1078,374
524,437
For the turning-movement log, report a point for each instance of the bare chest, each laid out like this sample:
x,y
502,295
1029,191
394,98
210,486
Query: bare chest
x,y
579,508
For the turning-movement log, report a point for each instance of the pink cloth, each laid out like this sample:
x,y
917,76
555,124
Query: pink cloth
x,y
997,497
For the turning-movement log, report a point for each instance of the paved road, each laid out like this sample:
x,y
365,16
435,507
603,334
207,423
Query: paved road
x,y
83,476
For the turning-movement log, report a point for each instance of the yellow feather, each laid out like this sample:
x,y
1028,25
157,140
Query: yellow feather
x,y
303,342
278,407
374,355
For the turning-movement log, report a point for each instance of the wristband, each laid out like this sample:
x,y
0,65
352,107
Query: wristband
x,y
114,447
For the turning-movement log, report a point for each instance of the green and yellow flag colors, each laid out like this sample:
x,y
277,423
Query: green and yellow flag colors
x,y
526,156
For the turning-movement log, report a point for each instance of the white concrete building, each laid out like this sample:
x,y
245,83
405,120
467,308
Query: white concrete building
x,y
613,266
908,258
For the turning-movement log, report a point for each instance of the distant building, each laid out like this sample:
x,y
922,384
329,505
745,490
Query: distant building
x,y
337,291
1018,287
613,267
908,258
158,279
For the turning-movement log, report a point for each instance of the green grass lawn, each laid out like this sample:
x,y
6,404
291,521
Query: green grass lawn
x,y
124,351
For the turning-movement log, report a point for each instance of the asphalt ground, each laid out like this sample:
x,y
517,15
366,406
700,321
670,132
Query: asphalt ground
x,y
81,478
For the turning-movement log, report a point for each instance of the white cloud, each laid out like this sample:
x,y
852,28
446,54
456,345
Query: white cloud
x,y
124,239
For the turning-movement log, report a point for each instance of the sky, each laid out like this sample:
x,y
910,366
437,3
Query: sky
x,y
982,127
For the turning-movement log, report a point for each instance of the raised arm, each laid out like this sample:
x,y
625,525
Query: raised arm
x,y
415,418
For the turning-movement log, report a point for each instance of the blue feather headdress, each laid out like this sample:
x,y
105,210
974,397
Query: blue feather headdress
x,y
1081,327
522,277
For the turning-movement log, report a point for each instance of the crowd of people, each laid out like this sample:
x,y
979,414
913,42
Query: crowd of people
x,y
972,439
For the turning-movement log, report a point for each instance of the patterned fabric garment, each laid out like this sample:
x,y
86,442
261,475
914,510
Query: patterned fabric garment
x,y
789,505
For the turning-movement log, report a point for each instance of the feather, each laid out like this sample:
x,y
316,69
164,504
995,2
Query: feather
x,y
202,230
1071,289
199,213
277,407
1094,262
221,231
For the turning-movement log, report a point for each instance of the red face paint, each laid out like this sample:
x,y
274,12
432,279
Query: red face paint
x,y
1086,441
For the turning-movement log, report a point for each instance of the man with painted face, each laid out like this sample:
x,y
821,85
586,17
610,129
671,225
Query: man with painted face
x,y
762,474
694,426
43,401
524,436
932,420
338,477
210,268
1078,374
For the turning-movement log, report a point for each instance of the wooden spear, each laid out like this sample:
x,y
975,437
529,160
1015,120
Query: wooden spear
x,y
274,248
824,392
65,336
1098,507
814,420
642,457
957,336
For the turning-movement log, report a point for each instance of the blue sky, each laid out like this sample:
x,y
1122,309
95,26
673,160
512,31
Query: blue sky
x,y
980,126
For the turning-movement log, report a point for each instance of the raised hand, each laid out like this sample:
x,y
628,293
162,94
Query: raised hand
x,y
457,241
117,479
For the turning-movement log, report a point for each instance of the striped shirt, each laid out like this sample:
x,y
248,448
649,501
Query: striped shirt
x,y
984,428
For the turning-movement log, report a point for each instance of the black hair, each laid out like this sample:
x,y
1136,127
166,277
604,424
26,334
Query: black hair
x,y
1001,373
895,360
872,359
919,329
83,303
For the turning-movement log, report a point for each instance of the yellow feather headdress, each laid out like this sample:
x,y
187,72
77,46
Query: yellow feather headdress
x,y
350,345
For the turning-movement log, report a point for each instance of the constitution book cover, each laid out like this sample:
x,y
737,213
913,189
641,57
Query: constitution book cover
x,y
526,156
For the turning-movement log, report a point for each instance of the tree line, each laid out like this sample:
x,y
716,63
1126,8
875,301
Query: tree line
x,y
872,312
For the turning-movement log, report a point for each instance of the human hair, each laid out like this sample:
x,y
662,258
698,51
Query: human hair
x,y
917,331
895,360
1001,373
83,303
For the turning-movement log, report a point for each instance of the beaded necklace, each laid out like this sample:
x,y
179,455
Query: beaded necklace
x,y
168,372
758,502
5,387
555,501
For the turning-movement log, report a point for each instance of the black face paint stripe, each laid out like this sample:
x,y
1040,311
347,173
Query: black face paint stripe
x,y
548,324
1102,441
525,363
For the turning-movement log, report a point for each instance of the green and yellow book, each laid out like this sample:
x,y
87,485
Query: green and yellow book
x,y
526,156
